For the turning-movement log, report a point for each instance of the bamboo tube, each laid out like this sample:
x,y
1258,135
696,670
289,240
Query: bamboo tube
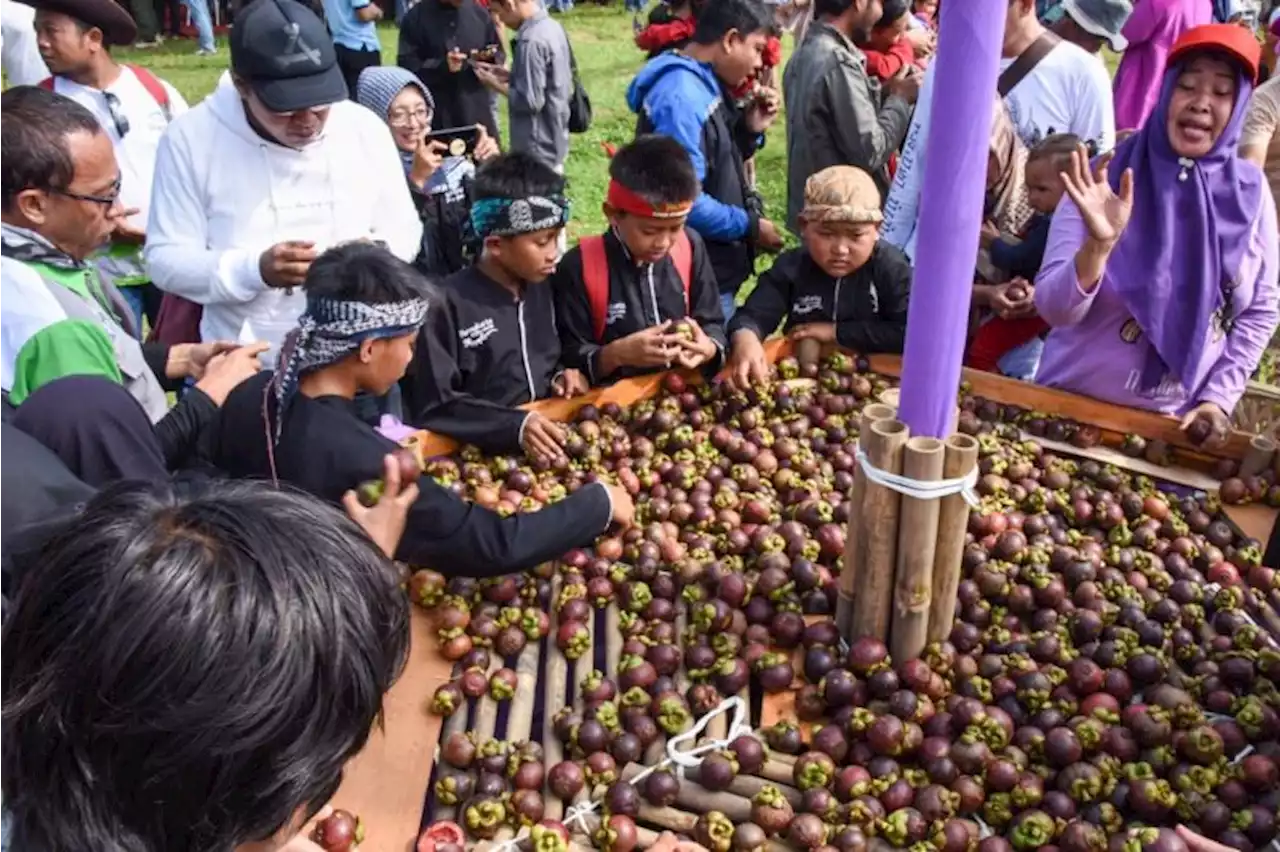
x,y
685,823
781,773
780,757
808,351
917,545
884,443
557,675
853,566
748,786
612,640
520,715
1262,450
699,799
645,837
959,458
890,397
682,621
454,724
486,721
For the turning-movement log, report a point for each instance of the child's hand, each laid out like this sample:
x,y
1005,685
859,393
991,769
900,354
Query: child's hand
x,y
655,346
768,237
989,234
823,332
541,438
384,521
748,365
570,383
1014,300
698,351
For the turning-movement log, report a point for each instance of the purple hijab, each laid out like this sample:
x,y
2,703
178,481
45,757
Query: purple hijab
x,y
1183,246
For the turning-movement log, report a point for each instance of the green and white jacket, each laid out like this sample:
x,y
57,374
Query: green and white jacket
x,y
61,318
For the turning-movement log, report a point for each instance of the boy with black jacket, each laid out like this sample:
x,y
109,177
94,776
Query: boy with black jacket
x,y
643,296
687,95
845,286
492,344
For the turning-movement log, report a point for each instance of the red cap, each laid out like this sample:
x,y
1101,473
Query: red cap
x,y
1231,39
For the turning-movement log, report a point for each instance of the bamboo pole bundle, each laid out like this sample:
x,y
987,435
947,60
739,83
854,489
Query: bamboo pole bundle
x,y
699,799
520,714
748,786
960,457
1262,450
612,640
557,674
884,443
922,460
852,567
455,723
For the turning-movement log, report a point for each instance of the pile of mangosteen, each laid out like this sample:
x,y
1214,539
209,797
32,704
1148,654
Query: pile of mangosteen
x,y
1111,672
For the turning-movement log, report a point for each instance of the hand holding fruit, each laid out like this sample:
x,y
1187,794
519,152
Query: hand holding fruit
x,y
624,508
570,383
224,372
1207,426
285,264
823,332
542,438
381,508
748,364
653,347
1014,300
989,234
336,831
695,347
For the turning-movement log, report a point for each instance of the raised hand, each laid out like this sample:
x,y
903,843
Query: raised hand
x,y
1104,211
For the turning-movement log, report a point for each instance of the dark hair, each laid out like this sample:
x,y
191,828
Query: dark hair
x,y
360,271
657,168
831,8
1057,148
718,18
33,140
893,10
516,174
190,664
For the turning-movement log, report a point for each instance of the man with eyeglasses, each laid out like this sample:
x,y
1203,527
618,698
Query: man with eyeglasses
x,y
134,108
59,202
266,173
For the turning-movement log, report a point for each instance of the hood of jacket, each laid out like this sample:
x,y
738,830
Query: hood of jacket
x,y
686,79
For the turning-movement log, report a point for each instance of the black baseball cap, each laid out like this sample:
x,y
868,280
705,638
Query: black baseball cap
x,y
286,55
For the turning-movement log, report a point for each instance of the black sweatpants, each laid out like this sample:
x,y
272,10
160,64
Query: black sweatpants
x,y
352,62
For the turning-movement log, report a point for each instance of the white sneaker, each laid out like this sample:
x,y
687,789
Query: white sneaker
x,y
207,51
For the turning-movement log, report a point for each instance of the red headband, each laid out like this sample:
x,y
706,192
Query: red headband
x,y
625,201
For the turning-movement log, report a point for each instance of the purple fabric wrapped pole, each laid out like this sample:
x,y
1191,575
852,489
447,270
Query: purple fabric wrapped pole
x,y
951,201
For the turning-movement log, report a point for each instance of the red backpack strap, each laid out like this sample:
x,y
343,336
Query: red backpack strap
x,y
682,256
46,84
595,277
155,88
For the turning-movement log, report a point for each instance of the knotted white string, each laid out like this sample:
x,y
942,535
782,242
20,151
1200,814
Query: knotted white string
x,y
919,489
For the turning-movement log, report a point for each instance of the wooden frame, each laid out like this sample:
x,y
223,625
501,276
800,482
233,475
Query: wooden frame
x,y
387,782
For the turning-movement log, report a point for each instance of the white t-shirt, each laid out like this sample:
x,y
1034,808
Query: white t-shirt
x,y
1067,92
19,55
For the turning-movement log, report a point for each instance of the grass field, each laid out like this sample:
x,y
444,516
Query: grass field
x,y
607,59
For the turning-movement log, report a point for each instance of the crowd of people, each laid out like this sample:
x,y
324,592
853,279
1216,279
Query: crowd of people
x,y
221,318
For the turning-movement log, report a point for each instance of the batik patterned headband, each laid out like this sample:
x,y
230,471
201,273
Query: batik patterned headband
x,y
511,217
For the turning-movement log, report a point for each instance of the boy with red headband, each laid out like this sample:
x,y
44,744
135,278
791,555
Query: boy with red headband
x,y
643,296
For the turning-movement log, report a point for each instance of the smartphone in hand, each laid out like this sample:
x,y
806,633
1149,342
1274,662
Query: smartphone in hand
x,y
459,141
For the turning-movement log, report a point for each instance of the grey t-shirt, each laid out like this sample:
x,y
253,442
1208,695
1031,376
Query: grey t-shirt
x,y
540,88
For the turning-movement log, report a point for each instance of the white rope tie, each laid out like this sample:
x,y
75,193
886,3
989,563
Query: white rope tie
x,y
934,489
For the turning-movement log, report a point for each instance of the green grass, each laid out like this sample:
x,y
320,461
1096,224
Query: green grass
x,y
607,60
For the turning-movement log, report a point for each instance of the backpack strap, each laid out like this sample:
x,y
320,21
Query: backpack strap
x,y
595,277
154,88
682,256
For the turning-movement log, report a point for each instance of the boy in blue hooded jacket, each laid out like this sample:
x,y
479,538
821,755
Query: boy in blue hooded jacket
x,y
685,94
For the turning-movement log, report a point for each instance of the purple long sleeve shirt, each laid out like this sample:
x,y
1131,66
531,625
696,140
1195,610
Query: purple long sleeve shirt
x,y
1086,351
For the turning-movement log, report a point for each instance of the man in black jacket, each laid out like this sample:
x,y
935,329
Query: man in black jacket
x,y
439,40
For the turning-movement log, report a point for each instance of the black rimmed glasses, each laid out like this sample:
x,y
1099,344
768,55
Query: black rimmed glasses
x,y
107,201
118,118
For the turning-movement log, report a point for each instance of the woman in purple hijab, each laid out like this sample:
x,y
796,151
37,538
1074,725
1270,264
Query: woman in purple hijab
x,y
1159,278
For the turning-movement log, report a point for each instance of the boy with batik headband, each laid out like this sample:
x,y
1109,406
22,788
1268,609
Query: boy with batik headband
x,y
364,310
643,296
492,343
844,286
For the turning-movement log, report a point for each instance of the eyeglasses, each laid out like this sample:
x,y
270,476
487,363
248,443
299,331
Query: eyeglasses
x,y
118,117
404,119
107,201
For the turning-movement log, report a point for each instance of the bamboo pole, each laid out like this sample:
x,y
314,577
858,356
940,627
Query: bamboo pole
x,y
699,799
612,641
1262,450
685,823
885,441
953,520
853,565
520,715
808,352
557,675
917,545
748,786
455,723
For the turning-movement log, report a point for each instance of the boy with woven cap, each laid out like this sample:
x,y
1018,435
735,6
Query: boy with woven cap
x,y
643,296
844,286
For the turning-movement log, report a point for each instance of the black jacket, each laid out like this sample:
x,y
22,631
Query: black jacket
x,y
639,297
1023,259
428,32
868,307
445,216
325,449
480,354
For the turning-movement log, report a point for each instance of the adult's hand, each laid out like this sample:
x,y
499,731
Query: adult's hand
x,y
1104,211
189,360
225,372
921,40
569,384
123,232
455,59
1013,300
748,365
764,109
767,236
668,842
988,234
427,157
823,332
905,84
1207,426
486,146
385,520
285,264
624,508
1198,843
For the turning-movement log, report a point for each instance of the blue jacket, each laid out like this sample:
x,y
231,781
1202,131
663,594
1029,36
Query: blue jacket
x,y
682,98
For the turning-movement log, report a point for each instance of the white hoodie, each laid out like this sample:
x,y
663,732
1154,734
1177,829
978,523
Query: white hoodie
x,y
222,195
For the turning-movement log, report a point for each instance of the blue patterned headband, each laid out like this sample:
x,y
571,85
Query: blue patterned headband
x,y
511,217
